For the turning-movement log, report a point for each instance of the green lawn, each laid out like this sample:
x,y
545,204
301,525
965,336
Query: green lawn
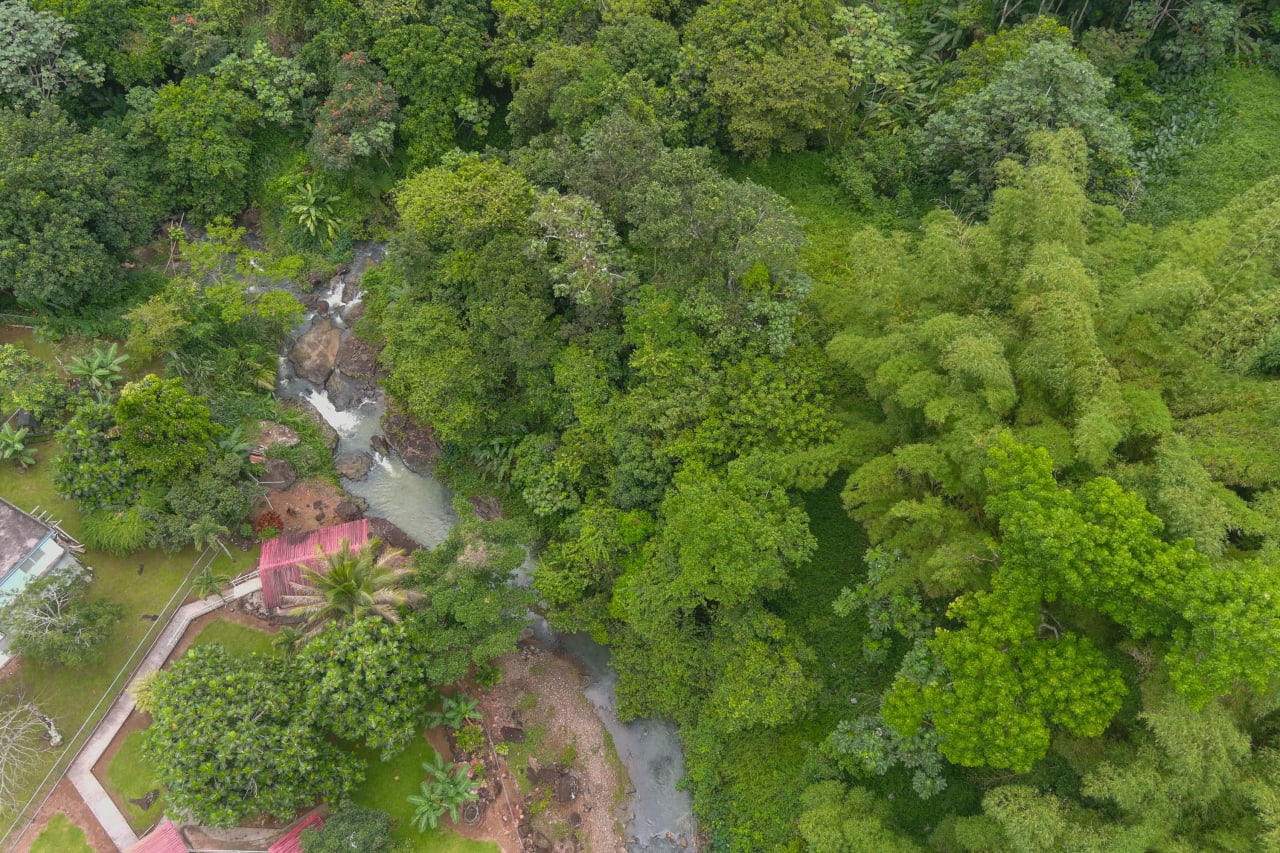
x,y
383,790
237,639
132,778
70,696
61,836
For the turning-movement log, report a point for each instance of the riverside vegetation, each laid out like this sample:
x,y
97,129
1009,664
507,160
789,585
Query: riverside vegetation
x,y
891,386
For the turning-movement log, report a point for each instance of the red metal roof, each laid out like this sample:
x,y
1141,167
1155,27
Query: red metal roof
x,y
290,843
163,839
279,564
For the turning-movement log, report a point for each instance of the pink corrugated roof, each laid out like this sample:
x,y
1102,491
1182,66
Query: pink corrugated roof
x,y
290,843
278,566
163,839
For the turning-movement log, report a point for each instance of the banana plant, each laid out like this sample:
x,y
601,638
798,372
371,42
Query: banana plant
x,y
101,368
13,445
314,210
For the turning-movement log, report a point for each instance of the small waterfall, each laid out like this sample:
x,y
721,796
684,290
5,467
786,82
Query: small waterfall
x,y
661,815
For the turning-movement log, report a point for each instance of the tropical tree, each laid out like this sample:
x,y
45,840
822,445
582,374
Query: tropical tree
x,y
448,789
208,582
313,208
350,586
207,533
287,640
53,620
101,368
231,739
455,712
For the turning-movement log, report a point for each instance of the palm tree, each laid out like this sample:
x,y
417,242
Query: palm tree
x,y
350,586
101,368
287,640
206,533
209,582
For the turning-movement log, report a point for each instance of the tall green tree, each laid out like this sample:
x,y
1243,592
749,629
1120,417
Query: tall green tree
x,y
232,739
72,206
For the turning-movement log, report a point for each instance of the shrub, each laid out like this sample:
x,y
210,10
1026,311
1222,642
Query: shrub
x,y
358,119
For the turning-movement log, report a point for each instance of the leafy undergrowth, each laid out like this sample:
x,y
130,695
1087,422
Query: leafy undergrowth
x,y
61,836
143,583
1242,149
756,803
131,778
388,785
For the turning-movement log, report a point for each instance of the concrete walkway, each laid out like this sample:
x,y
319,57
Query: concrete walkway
x,y
81,772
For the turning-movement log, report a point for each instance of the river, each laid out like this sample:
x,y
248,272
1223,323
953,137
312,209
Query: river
x,y
660,814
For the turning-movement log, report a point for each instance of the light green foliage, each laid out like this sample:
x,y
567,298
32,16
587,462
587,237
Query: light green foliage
x,y
219,338
232,739
14,445
197,130
101,369
164,429
523,28
836,819
29,383
119,531
36,63
470,613
768,69
54,621
877,54
277,83
71,207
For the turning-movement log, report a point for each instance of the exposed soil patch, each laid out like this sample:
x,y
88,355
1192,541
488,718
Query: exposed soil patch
x,y
307,505
67,800
560,759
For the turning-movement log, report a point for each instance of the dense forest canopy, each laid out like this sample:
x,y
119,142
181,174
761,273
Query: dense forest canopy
x,y
892,386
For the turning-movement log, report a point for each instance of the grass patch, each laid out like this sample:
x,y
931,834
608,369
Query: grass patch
x,y
132,778
518,754
383,790
60,835
237,639
69,695
1242,149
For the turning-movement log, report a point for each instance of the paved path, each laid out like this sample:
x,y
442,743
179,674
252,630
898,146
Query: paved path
x,y
81,772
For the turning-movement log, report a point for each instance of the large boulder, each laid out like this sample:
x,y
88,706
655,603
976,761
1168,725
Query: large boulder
x,y
354,466
392,536
358,359
316,352
347,393
280,475
414,442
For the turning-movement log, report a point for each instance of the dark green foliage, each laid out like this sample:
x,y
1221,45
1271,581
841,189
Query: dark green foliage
x,y
368,682
1049,88
232,739
197,133
351,827
54,620
358,119
71,207
93,469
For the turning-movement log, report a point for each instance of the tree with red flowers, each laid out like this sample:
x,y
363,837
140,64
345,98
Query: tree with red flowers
x,y
358,119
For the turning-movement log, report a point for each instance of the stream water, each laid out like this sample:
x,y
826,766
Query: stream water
x,y
661,816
